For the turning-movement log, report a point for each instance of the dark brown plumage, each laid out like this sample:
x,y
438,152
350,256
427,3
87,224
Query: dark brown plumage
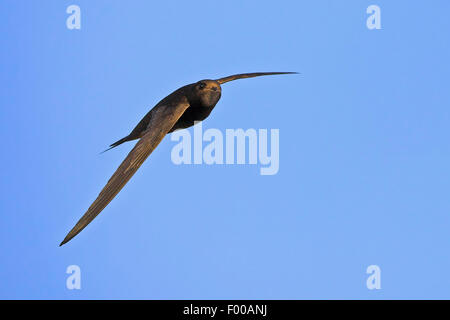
x,y
178,110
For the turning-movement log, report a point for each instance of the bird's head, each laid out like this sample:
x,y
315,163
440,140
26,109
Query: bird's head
x,y
206,93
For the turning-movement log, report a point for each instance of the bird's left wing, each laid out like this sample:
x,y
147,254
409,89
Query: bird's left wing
x,y
162,120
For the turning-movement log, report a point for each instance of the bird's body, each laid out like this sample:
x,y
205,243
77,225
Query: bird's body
x,y
198,110
179,110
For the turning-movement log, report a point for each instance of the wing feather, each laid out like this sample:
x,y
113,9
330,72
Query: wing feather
x,y
249,75
162,120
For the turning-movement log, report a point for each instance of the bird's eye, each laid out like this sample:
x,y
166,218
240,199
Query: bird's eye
x,y
202,85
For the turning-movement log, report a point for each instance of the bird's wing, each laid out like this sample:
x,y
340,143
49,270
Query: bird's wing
x,y
249,75
163,119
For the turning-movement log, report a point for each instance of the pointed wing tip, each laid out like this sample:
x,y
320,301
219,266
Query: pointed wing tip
x,y
289,72
66,239
69,237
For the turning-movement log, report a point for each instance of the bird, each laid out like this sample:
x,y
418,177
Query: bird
x,y
179,110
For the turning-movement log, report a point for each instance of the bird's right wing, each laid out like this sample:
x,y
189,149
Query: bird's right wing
x,y
163,119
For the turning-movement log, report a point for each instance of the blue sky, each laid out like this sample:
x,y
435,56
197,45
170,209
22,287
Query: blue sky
x,y
364,173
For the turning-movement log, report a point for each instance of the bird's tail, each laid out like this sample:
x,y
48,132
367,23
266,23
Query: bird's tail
x,y
118,142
